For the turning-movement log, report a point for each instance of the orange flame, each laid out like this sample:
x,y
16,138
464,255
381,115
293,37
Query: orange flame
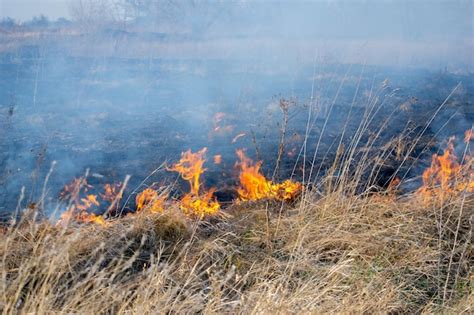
x,y
83,217
190,167
87,202
111,192
443,168
79,206
287,191
72,190
91,218
254,186
200,206
446,176
149,199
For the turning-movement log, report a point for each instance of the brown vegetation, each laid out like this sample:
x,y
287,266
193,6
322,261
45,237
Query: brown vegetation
x,y
334,253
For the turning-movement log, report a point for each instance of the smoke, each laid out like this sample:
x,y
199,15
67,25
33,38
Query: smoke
x,y
131,84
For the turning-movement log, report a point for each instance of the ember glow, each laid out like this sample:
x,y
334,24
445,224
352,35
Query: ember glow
x,y
254,185
194,203
447,176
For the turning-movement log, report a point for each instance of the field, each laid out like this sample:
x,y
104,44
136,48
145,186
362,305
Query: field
x,y
146,171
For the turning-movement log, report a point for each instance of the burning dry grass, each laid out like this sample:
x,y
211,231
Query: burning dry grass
x,y
336,253
254,185
283,247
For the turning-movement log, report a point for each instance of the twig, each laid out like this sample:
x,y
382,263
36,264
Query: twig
x,y
284,106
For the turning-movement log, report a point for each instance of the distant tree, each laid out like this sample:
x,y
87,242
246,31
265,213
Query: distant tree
x,y
95,14
7,23
194,16
38,21
62,22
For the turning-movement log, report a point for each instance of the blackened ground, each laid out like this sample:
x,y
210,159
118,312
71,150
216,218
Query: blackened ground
x,y
124,116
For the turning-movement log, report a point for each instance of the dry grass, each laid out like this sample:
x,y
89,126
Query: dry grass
x,y
332,254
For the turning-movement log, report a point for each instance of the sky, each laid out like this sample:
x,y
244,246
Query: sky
x,y
25,9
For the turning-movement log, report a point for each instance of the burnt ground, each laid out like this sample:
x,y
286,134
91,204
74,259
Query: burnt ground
x,y
119,116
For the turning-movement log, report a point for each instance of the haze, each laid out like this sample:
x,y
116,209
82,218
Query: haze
x,y
26,9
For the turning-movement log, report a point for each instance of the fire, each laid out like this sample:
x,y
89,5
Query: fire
x,y
79,207
190,167
78,211
254,186
111,192
91,218
446,176
443,168
150,199
87,202
287,191
83,217
72,190
200,206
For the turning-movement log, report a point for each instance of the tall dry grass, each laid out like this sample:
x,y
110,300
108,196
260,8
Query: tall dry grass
x,y
337,254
